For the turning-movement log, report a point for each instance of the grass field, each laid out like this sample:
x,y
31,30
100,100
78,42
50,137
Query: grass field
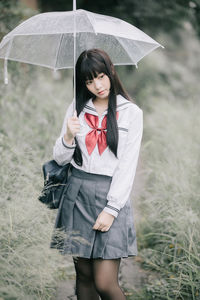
x,y
29,124
32,109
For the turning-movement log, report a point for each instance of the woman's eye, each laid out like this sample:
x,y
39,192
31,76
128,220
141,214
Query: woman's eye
x,y
88,82
102,76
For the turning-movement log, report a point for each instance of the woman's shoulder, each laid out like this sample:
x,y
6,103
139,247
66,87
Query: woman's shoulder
x,y
128,106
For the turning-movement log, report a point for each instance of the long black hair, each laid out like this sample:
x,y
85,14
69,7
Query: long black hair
x,y
89,64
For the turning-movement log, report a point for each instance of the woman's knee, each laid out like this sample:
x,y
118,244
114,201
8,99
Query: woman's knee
x,y
106,275
103,285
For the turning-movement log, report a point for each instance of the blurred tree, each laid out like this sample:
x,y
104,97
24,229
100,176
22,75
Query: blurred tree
x,y
149,15
12,12
30,3
195,11
8,16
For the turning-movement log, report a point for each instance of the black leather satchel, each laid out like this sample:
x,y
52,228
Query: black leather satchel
x,y
55,180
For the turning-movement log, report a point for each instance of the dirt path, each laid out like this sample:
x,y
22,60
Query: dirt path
x,y
131,279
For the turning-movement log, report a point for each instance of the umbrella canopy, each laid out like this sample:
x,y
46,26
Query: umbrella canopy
x,y
47,39
56,39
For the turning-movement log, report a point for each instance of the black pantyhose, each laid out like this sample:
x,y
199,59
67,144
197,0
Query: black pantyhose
x,y
97,277
85,287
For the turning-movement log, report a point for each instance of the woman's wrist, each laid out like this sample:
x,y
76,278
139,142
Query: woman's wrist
x,y
68,140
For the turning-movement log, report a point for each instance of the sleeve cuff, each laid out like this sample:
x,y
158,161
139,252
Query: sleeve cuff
x,y
111,210
68,145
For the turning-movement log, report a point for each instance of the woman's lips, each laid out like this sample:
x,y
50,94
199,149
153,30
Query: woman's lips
x,y
100,93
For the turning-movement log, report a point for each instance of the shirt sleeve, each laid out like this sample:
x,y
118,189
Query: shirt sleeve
x,y
63,152
123,177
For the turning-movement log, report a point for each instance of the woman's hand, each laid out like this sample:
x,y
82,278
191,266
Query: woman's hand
x,y
104,221
73,127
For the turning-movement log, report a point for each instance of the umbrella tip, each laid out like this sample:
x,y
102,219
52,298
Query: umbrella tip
x,y
5,71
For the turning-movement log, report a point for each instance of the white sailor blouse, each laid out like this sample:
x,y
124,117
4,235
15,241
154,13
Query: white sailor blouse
x,y
97,157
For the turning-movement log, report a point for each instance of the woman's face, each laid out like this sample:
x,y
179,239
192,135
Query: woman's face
x,y
99,86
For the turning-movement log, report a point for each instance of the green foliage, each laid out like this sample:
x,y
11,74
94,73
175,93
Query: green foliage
x,y
30,122
168,231
149,15
12,13
170,224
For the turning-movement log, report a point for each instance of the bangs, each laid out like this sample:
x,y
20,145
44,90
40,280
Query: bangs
x,y
90,68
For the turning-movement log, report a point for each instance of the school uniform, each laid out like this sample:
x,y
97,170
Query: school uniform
x,y
103,182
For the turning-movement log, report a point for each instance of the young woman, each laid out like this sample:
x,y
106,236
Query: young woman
x,y
101,140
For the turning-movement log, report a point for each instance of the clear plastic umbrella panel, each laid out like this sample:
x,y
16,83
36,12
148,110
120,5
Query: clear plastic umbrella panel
x,y
56,39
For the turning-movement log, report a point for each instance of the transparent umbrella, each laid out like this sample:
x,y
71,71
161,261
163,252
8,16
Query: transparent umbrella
x,y
56,39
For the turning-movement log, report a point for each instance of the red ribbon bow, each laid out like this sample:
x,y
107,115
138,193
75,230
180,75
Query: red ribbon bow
x,y
94,136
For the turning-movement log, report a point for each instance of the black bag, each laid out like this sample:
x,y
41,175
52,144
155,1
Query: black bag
x,y
55,180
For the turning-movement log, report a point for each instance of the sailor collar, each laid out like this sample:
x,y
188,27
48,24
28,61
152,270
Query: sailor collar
x,y
122,103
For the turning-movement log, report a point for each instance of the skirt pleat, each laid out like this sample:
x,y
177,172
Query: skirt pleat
x,y
83,199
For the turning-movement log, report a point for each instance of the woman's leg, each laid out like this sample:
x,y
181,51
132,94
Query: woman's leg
x,y
85,288
106,279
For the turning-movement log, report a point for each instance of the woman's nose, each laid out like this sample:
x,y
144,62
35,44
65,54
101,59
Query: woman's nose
x,y
97,84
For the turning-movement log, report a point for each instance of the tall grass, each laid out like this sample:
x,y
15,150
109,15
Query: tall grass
x,y
169,228
32,106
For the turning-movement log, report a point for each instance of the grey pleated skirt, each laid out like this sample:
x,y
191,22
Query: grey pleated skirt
x,y
83,199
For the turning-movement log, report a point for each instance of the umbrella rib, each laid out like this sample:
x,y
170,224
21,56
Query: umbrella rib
x,y
155,47
89,18
51,67
61,38
125,49
37,64
121,43
71,32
